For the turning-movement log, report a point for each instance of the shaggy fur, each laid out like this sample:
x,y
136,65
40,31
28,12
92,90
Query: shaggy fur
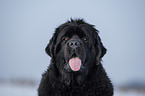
x,y
75,38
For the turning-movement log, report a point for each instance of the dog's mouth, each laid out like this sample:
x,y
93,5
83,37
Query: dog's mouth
x,y
75,62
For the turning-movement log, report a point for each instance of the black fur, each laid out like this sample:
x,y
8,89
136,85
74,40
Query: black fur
x,y
91,79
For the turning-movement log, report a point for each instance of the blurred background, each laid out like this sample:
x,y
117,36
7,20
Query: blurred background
x,y
26,27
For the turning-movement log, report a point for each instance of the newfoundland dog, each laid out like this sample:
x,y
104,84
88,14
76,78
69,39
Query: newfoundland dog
x,y
75,69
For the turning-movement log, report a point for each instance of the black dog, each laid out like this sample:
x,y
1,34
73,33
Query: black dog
x,y
75,69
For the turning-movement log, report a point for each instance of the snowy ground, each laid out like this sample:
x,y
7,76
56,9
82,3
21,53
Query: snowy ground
x,y
130,93
17,90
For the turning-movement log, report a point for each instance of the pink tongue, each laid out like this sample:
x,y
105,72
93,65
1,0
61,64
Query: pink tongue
x,y
75,63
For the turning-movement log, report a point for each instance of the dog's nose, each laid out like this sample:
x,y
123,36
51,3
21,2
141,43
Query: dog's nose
x,y
74,44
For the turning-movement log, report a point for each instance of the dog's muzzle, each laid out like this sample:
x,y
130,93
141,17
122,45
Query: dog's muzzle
x,y
74,44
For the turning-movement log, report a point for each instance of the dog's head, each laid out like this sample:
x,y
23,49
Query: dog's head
x,y
76,46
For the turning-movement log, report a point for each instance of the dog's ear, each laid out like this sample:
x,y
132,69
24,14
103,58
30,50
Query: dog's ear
x,y
101,50
50,47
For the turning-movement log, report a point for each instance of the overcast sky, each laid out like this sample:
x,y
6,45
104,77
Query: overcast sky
x,y
26,27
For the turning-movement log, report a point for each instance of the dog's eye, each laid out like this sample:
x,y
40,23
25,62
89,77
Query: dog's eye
x,y
65,38
85,39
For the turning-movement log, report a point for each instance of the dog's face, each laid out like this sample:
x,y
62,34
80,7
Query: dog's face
x,y
76,47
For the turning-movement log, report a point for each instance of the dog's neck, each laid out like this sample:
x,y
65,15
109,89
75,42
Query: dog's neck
x,y
72,79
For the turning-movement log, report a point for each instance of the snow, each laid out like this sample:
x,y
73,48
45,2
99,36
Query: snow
x,y
129,93
18,90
